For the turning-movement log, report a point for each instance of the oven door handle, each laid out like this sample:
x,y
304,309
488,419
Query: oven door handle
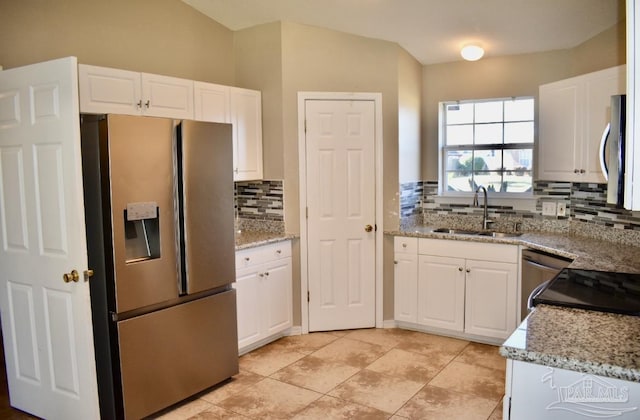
x,y
541,266
535,292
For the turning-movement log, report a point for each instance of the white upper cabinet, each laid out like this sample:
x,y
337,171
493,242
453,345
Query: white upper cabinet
x,y
105,90
164,96
246,117
211,102
573,115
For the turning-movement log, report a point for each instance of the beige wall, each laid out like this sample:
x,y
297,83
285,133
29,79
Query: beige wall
x,y
409,115
315,59
607,49
155,36
515,75
258,63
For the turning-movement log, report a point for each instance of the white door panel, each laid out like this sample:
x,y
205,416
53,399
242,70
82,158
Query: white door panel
x,y
441,284
277,278
14,234
249,299
46,322
341,202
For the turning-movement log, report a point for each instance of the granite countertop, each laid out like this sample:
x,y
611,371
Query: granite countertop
x,y
252,238
587,253
592,342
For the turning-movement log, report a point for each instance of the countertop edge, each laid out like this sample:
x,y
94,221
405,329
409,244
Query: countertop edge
x,y
253,239
575,365
586,253
525,239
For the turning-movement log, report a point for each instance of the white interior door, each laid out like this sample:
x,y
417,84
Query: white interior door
x,y
46,323
340,145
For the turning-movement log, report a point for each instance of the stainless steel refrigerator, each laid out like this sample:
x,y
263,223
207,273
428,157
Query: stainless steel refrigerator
x,y
159,213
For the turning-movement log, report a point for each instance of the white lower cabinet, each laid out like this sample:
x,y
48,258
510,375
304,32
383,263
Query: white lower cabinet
x,y
405,279
541,392
490,308
441,292
263,292
465,288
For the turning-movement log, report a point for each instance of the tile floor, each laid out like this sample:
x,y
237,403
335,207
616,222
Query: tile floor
x,y
360,374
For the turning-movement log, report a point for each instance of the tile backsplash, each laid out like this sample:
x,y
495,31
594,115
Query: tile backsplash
x,y
259,200
259,206
585,202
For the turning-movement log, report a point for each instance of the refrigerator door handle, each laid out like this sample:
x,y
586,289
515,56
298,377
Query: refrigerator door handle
x,y
179,207
603,149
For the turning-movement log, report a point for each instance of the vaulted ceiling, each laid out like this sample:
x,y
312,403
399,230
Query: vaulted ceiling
x,y
433,31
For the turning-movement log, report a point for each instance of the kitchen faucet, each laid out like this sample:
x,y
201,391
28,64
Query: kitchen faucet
x,y
485,218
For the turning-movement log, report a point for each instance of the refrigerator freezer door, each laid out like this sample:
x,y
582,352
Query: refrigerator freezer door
x,y
169,355
207,175
141,171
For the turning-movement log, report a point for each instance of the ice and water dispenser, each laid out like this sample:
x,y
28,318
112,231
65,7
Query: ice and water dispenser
x,y
142,231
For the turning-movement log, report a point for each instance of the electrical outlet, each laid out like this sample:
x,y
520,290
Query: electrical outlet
x,y
562,209
549,208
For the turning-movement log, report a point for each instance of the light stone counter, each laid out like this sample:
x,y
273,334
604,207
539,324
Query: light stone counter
x,y
252,238
592,342
587,253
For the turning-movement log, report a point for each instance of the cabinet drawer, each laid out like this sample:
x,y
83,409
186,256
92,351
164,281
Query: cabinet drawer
x,y
469,250
277,250
405,245
249,257
259,255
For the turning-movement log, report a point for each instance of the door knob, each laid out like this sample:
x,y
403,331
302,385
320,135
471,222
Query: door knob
x,y
72,276
368,228
88,274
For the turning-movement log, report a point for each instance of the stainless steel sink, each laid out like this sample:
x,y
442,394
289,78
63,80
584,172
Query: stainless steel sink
x,y
456,231
501,234
479,233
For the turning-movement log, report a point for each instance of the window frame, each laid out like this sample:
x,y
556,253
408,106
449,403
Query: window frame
x,y
443,148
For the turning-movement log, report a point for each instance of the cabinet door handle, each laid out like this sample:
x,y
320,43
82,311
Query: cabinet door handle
x,y
247,259
582,171
266,274
147,103
395,262
459,268
576,171
139,104
278,252
404,245
468,270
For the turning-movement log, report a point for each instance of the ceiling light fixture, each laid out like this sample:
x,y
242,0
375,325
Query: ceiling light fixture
x,y
472,52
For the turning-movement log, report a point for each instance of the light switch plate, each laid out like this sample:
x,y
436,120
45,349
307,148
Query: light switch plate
x,y
549,208
562,209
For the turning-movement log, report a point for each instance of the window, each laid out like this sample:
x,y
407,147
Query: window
x,y
487,142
